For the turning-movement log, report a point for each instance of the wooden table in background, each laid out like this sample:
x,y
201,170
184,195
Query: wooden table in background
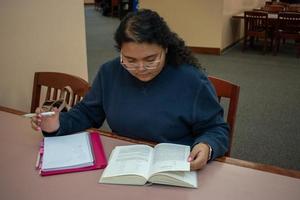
x,y
241,16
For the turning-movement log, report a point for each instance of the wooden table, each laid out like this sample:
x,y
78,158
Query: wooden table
x,y
219,180
241,16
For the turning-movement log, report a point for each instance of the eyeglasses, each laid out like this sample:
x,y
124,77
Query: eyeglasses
x,y
131,66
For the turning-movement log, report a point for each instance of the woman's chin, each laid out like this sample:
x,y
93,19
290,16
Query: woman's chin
x,y
144,78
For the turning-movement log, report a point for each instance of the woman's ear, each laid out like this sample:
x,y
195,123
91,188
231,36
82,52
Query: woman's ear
x,y
166,50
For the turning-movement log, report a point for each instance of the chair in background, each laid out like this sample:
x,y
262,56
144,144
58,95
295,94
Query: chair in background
x,y
53,84
267,3
293,8
285,4
227,90
274,8
288,28
110,7
97,4
256,27
115,8
125,6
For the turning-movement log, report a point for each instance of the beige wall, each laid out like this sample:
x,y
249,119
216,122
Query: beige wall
x,y
89,1
232,29
196,21
38,35
203,23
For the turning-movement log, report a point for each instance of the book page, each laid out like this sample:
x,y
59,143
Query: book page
x,y
179,178
129,160
170,157
67,152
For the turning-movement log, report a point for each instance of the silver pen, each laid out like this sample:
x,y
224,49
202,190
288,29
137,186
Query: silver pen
x,y
46,114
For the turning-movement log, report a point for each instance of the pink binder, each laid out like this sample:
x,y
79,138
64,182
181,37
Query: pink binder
x,y
100,160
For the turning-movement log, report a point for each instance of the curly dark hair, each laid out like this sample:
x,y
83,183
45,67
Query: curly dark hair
x,y
146,26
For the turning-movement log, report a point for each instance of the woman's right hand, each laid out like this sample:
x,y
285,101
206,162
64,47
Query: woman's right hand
x,y
45,123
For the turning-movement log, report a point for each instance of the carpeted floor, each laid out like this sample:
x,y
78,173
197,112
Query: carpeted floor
x,y
268,122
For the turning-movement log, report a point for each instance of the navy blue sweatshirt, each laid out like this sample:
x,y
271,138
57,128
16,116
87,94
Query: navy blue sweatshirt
x,y
178,106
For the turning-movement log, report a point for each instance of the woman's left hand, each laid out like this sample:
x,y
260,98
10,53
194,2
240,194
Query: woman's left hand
x,y
199,156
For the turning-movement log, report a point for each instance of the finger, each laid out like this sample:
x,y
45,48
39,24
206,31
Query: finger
x,y
38,111
198,162
34,126
193,154
56,110
197,166
34,120
37,119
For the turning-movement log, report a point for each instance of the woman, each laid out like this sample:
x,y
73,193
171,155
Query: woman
x,y
155,91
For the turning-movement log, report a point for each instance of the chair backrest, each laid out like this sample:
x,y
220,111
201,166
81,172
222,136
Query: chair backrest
x,y
55,85
281,3
115,2
225,89
274,8
293,8
255,21
289,22
267,3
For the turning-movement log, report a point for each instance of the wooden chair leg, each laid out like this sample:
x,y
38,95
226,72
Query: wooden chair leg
x,y
277,45
272,40
298,49
265,44
297,44
251,41
274,47
245,43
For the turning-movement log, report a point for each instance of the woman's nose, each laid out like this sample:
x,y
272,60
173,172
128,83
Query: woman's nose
x,y
141,66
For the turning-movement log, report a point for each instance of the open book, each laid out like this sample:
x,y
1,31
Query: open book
x,y
138,164
71,153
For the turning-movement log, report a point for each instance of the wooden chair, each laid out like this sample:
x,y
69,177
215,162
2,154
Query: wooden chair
x,y
288,28
230,91
274,8
55,83
267,3
256,26
115,6
97,4
284,4
293,8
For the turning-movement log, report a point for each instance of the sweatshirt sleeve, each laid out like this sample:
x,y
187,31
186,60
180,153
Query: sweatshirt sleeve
x,y
86,114
209,125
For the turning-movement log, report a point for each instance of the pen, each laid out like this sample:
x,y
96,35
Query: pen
x,y
29,115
